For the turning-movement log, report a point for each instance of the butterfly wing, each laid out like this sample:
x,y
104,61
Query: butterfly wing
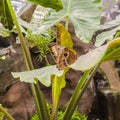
x,y
63,56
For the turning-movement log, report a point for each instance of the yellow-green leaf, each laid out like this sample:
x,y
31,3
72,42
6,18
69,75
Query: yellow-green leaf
x,y
58,82
113,50
64,37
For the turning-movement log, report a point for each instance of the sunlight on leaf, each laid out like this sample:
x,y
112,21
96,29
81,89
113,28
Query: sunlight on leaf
x,y
84,62
84,15
90,59
55,4
42,74
111,51
108,35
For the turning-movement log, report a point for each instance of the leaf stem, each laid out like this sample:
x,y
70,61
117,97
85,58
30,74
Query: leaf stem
x,y
4,111
80,88
26,54
66,22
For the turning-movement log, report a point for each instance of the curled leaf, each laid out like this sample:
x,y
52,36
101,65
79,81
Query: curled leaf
x,y
42,74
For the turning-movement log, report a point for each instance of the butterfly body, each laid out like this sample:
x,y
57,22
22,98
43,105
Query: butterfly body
x,y
63,56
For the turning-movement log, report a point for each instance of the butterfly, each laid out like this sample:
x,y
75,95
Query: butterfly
x,y
63,56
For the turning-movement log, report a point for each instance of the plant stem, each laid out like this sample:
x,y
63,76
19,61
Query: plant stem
x,y
28,61
75,97
66,22
80,88
43,106
3,110
35,95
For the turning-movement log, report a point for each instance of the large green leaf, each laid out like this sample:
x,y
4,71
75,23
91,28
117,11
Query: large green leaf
x,y
84,14
42,74
5,16
111,51
55,4
89,60
108,35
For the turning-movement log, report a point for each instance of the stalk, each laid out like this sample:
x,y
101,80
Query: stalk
x,y
3,110
80,88
43,106
28,61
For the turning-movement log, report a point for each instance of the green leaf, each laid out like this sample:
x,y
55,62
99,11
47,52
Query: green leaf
x,y
58,83
42,74
5,16
64,37
89,60
111,51
108,35
84,14
3,31
55,4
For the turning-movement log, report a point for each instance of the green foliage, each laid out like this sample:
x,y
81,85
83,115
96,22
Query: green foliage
x,y
5,16
3,31
55,4
35,116
117,34
113,50
1,116
84,62
42,74
4,113
41,42
58,83
63,37
84,14
76,116
110,34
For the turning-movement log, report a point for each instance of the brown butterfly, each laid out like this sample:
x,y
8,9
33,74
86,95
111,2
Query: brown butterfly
x,y
63,56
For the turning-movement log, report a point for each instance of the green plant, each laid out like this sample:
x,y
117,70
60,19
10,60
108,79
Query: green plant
x,y
75,116
85,25
3,113
41,42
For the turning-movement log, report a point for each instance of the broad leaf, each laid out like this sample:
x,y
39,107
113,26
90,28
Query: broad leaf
x,y
107,52
84,14
89,60
55,4
5,16
111,51
42,74
108,35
